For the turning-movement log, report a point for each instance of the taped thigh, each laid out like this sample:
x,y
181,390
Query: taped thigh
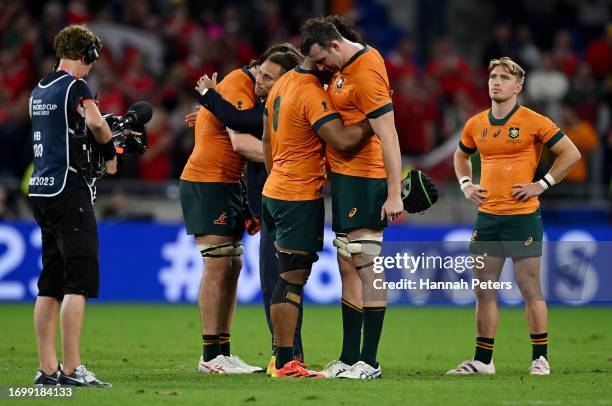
x,y
226,249
290,261
366,245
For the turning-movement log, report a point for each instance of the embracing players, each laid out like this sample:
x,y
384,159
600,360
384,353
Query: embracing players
x,y
275,62
299,119
365,184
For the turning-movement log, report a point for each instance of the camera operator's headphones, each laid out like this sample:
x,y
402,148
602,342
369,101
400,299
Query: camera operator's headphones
x,y
92,53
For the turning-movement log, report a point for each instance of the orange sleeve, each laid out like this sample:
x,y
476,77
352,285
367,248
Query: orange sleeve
x,y
240,95
467,143
548,132
372,94
318,107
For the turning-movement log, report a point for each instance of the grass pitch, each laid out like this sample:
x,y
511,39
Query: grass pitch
x,y
149,353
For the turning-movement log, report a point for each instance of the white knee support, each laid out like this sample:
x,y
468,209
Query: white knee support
x,y
228,249
366,245
340,242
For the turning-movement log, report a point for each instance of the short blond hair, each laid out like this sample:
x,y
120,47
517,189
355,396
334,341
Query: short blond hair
x,y
509,66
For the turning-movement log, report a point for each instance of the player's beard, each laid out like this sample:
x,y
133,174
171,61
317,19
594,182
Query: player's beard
x,y
325,76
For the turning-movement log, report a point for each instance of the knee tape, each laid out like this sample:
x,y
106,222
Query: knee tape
x,y
289,261
228,249
366,245
285,292
340,242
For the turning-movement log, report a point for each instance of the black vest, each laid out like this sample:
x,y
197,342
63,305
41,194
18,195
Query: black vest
x,y
49,106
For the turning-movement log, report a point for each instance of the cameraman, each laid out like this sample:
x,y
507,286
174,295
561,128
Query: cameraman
x,y
62,202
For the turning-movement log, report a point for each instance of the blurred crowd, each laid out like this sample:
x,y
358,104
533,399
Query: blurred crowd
x,y
155,50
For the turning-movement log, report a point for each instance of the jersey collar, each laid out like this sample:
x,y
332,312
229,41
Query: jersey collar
x,y
502,121
300,70
357,55
248,72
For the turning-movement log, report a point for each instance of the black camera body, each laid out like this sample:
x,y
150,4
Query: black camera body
x,y
86,154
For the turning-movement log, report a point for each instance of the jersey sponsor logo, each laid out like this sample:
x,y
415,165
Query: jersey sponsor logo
x,y
528,241
324,105
222,219
496,133
514,132
352,212
484,132
340,82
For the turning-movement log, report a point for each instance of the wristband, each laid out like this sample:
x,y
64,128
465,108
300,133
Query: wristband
x,y
466,184
465,181
547,181
108,150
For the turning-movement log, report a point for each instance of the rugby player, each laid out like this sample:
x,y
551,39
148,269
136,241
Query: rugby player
x,y
298,120
270,68
510,138
211,201
365,186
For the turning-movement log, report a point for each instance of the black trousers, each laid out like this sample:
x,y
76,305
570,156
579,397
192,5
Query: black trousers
x,y
69,241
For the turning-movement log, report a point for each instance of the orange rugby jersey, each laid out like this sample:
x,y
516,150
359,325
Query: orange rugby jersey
x,y
296,107
213,159
509,153
361,90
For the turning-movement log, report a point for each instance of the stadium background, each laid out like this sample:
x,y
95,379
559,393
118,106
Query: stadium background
x,y
436,53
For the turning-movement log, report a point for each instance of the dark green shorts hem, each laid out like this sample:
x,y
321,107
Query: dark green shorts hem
x,y
212,208
356,202
295,225
514,236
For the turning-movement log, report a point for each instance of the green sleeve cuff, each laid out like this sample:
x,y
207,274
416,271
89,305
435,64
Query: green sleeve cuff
x,y
467,150
265,111
380,111
324,120
555,138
